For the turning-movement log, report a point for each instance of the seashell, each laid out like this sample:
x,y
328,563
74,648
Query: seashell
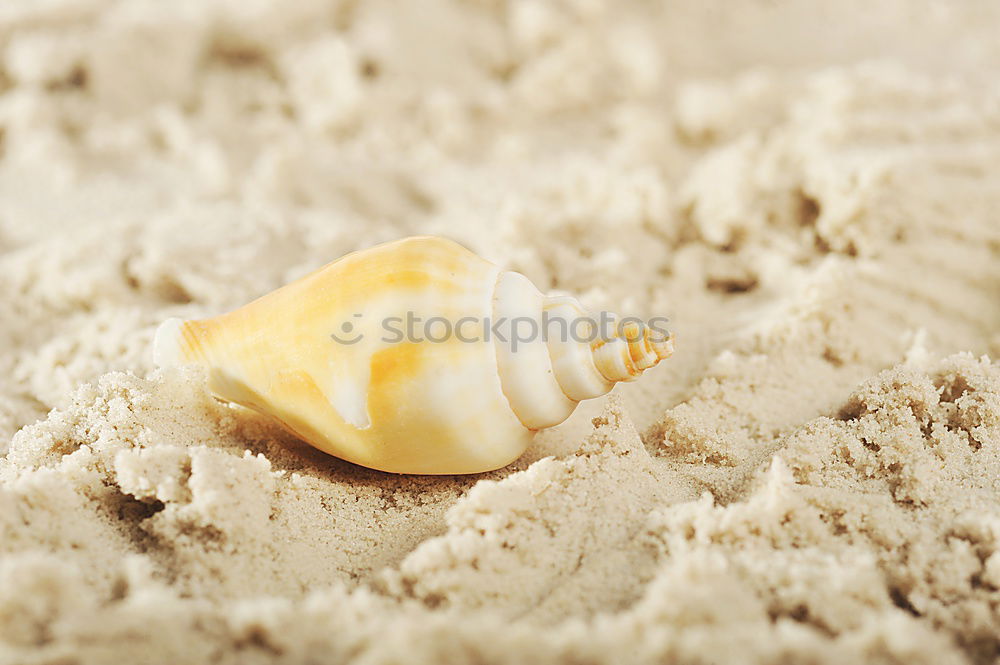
x,y
330,357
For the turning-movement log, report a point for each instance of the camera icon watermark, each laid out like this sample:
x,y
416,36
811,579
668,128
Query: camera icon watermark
x,y
348,333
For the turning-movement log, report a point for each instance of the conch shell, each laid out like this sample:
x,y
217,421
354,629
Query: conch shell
x,y
463,390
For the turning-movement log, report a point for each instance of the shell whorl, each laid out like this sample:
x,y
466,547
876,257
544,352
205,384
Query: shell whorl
x,y
571,358
634,350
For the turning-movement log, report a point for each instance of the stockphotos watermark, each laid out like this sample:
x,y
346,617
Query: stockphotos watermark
x,y
515,331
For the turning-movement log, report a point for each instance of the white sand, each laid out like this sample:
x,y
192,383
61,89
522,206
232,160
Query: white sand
x,y
809,192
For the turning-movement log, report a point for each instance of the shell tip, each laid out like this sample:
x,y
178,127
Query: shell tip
x,y
664,348
167,350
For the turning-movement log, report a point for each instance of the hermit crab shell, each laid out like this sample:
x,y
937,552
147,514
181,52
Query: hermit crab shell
x,y
415,356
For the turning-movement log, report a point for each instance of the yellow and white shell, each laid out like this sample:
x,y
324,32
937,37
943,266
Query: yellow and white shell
x,y
328,357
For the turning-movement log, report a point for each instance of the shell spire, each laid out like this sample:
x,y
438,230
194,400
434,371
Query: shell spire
x,y
588,362
634,350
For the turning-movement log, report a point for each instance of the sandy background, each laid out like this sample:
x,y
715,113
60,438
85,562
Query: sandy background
x,y
809,190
